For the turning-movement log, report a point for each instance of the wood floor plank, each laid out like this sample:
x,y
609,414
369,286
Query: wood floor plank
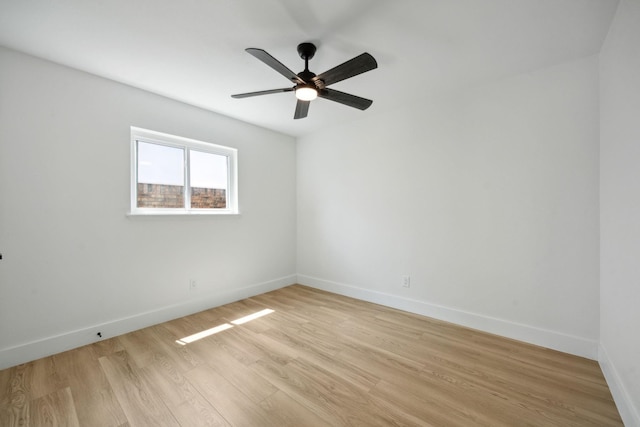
x,y
186,404
17,395
285,311
357,376
324,393
54,410
179,355
243,308
286,411
482,386
44,377
232,403
510,376
252,385
234,371
302,341
139,402
96,404
430,407
198,412
381,363
340,393
206,319
106,347
239,345
303,392
142,347
482,408
5,386
184,326
260,346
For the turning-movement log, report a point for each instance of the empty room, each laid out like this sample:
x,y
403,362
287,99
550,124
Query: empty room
x,y
297,213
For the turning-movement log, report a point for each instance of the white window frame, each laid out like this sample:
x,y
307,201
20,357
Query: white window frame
x,y
153,137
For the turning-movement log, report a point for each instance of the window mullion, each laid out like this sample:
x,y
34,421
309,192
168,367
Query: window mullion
x,y
187,178
134,173
228,191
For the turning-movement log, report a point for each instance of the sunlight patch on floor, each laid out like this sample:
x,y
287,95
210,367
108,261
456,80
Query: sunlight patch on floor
x,y
204,334
224,327
253,316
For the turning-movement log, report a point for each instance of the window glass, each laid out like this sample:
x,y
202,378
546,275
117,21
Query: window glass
x,y
208,177
160,176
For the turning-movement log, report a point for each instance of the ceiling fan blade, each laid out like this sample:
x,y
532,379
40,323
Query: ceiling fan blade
x,y
302,108
345,98
262,92
275,64
358,65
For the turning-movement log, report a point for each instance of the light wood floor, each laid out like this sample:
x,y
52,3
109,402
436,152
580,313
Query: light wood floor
x,y
318,360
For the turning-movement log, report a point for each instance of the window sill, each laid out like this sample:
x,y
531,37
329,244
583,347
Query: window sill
x,y
156,213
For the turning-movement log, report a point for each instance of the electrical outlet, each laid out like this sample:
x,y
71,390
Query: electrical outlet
x,y
406,281
193,285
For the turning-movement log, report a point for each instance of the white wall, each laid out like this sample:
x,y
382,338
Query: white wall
x,y
487,198
620,210
74,263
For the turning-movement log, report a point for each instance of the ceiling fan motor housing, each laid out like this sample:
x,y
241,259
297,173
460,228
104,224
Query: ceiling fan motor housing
x,y
306,50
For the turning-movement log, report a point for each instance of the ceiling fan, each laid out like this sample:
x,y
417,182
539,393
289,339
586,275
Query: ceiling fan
x,y
308,85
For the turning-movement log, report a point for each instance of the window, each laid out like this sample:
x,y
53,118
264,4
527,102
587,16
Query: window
x,y
175,175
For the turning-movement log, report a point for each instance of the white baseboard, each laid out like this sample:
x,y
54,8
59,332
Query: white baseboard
x,y
66,341
629,413
550,339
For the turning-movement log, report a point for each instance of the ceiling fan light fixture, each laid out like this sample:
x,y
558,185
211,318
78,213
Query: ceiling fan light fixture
x,y
306,93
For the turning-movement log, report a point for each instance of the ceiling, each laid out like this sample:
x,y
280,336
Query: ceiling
x,y
193,50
